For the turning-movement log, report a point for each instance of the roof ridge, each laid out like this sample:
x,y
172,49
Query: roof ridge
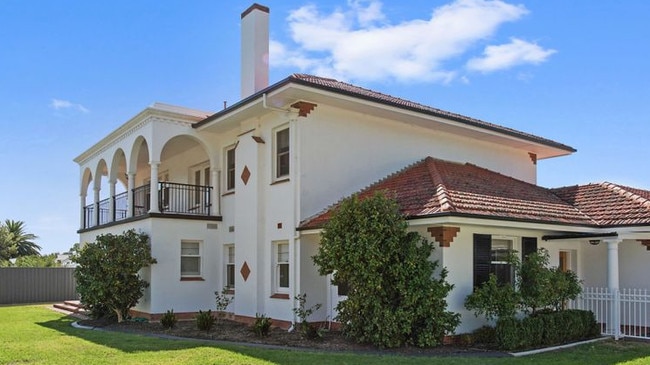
x,y
625,193
438,180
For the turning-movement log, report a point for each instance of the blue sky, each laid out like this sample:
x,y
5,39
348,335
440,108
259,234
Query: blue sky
x,y
72,71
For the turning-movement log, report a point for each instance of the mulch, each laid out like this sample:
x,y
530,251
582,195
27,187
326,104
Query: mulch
x,y
235,332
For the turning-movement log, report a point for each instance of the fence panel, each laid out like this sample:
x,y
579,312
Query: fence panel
x,y
620,313
36,285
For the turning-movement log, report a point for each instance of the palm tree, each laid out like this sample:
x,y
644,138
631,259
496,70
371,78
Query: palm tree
x,y
15,236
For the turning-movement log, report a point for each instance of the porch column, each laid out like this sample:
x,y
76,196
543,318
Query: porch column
x,y
111,201
612,263
215,196
129,194
96,206
153,188
82,205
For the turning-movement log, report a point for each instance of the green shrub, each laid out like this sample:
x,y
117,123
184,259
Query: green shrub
x,y
545,328
108,273
262,325
398,295
168,320
205,320
223,301
485,335
308,330
493,300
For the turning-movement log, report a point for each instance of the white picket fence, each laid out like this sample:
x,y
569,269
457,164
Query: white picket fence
x,y
620,313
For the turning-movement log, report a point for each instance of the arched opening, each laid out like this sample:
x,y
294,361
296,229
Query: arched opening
x,y
140,171
119,183
185,177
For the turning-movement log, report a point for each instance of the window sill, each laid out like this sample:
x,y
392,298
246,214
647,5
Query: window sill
x,y
192,278
232,192
280,181
280,296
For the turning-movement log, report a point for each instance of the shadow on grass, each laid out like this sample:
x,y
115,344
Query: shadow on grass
x,y
607,353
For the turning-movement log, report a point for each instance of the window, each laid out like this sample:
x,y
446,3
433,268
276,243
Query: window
x,y
491,253
499,265
230,266
230,168
281,273
200,177
190,258
282,161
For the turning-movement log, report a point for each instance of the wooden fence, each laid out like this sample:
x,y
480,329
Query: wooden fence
x,y
36,285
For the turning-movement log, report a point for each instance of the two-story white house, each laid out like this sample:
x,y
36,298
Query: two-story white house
x,y
236,199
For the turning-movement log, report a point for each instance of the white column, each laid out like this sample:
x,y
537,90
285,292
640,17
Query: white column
x,y
111,201
612,263
129,197
154,187
216,206
82,206
95,219
613,285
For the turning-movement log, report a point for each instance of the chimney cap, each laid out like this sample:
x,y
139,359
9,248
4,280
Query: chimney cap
x,y
254,7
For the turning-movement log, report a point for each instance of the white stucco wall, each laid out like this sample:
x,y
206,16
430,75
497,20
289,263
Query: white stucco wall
x,y
343,152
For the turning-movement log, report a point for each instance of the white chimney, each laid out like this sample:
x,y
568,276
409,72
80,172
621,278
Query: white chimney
x,y
254,49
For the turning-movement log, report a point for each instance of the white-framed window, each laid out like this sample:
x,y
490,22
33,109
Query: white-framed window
x,y
501,248
190,258
281,267
230,168
282,161
229,255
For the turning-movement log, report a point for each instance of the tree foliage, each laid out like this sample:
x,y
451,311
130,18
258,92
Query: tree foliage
x,y
107,275
37,261
397,294
15,241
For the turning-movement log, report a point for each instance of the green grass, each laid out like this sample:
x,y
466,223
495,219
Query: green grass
x,y
37,335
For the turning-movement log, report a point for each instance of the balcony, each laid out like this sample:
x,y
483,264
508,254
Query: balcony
x,y
174,200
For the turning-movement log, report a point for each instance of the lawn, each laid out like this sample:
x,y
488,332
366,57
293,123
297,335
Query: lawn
x,y
36,335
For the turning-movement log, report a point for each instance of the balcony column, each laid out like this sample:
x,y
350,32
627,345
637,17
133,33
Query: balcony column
x,y
153,189
82,205
111,201
214,196
129,194
95,220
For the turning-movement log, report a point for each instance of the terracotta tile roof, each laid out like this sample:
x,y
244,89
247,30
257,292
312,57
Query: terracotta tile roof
x,y
609,204
435,187
344,88
353,90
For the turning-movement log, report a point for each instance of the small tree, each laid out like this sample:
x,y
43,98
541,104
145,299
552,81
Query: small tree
x,y
396,298
107,276
37,261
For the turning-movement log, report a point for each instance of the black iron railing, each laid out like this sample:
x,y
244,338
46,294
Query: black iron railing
x,y
173,198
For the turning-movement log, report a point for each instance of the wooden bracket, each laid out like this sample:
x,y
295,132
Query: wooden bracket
x,y
304,108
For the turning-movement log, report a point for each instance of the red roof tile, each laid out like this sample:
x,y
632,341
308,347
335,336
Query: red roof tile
x,y
609,204
340,87
436,187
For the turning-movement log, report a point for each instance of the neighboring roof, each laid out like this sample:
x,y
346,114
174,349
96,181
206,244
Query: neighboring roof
x,y
609,204
433,187
343,88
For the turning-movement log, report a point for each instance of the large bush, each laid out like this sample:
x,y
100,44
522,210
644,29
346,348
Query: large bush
x,y
396,293
538,286
107,275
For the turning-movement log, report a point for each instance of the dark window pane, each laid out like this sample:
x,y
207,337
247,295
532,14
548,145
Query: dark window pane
x,y
284,275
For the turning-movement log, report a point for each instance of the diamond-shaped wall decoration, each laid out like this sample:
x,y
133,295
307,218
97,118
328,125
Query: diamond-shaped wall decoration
x,y
245,175
245,271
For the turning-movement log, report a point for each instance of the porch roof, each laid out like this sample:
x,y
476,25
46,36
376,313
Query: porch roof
x,y
609,204
433,187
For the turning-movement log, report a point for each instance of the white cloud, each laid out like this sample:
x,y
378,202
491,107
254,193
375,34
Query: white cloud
x,y
504,56
58,104
360,43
